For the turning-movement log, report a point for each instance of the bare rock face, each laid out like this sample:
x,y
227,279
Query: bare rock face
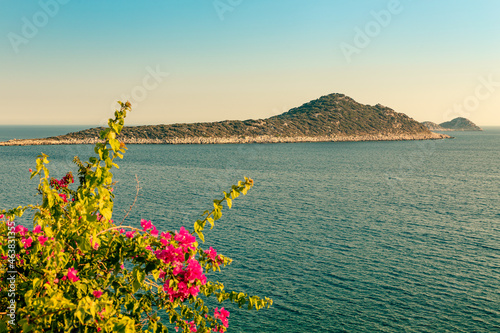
x,y
333,117
433,126
457,124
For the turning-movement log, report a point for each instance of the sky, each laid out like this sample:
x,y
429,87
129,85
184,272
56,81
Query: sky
x,y
67,62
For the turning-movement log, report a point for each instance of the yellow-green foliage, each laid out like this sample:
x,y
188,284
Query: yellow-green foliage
x,y
77,270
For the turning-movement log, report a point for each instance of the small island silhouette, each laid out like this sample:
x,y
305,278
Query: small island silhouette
x,y
457,124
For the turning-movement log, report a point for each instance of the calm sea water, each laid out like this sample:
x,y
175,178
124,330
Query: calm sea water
x,y
345,237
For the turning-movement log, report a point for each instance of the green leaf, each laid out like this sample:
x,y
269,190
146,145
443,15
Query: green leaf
x,y
115,144
200,234
80,314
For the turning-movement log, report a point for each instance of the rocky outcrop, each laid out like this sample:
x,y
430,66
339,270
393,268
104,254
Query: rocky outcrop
x,y
433,126
235,139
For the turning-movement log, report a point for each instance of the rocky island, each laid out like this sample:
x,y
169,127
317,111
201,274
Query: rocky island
x,y
334,117
457,124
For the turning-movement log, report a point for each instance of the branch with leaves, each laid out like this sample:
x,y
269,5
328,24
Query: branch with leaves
x,y
79,270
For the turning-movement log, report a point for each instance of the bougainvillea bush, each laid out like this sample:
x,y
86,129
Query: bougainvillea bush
x,y
77,270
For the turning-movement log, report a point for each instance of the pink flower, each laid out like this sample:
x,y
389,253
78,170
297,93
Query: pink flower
x,y
122,231
56,280
171,255
194,290
177,270
4,257
194,271
185,239
21,230
95,245
101,314
165,238
1,216
130,234
122,266
97,293
98,329
154,232
146,225
212,254
222,315
192,326
42,240
38,229
72,275
162,274
181,293
27,242
64,197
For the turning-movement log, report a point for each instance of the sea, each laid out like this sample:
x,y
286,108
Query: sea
x,y
400,236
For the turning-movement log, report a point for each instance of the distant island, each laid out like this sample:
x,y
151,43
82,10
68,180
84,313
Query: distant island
x,y
457,124
334,117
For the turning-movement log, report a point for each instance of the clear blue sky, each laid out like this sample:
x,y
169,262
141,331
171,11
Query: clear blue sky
x,y
241,59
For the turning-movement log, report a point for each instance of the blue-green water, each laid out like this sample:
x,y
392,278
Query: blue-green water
x,y
345,237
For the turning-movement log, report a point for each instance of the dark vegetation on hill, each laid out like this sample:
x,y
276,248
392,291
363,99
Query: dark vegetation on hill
x,y
334,114
457,124
461,124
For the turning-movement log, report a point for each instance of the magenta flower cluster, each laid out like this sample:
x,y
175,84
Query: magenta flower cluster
x,y
177,251
63,183
27,241
147,225
71,275
188,273
222,314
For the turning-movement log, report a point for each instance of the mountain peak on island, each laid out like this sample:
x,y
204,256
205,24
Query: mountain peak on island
x,y
333,117
460,124
338,106
457,124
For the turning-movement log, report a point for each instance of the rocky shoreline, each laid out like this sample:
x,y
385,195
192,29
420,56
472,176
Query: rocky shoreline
x,y
235,139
